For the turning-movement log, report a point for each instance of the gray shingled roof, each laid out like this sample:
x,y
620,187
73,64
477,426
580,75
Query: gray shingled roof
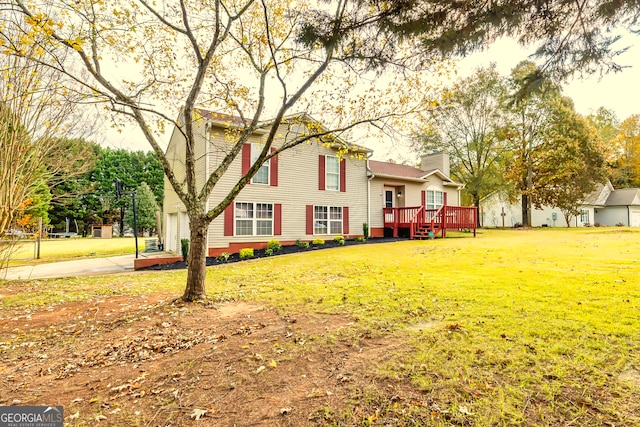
x,y
624,197
598,197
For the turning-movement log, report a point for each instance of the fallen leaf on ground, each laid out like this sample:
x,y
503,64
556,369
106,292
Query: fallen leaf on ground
x,y
464,410
198,413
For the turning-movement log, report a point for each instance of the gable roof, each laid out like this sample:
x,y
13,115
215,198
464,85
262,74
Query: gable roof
x,y
624,197
394,170
226,120
220,117
599,195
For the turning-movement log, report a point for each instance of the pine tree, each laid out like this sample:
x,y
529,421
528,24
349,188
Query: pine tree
x,y
146,208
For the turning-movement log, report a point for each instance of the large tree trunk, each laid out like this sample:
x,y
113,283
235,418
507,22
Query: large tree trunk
x,y
526,211
476,203
197,261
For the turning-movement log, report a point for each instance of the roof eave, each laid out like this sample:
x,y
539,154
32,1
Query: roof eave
x,y
414,179
401,178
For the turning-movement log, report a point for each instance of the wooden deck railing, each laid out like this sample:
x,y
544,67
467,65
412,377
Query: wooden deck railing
x,y
437,220
399,217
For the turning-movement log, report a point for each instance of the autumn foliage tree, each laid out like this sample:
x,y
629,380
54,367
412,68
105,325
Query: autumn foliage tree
x,y
573,162
34,111
627,152
525,133
252,59
557,158
468,125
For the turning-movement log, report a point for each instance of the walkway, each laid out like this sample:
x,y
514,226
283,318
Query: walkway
x,y
81,267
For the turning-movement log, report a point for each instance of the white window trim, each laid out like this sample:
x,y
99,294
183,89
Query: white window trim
x,y
583,213
328,220
254,219
256,149
326,173
434,205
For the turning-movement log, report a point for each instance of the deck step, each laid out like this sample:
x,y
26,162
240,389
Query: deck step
x,y
423,232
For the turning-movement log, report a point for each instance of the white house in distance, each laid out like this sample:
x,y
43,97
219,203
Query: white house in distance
x,y
305,192
604,206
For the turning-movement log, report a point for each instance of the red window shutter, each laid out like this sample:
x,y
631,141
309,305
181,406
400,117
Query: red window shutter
x,y
228,220
277,219
321,173
423,194
273,170
309,219
345,220
246,158
343,175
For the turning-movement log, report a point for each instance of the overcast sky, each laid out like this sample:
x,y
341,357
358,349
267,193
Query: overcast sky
x,y
619,92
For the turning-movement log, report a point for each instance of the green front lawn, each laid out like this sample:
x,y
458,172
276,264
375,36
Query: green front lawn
x,y
54,250
514,327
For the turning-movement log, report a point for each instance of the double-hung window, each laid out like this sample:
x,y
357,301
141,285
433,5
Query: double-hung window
x,y
327,220
333,173
262,176
435,199
253,219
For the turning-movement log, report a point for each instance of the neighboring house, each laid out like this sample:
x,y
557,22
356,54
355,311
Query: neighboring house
x,y
305,192
604,206
621,207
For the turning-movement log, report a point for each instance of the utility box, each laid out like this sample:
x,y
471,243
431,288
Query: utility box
x,y
151,245
102,231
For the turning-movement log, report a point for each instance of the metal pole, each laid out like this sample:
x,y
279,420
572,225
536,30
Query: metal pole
x,y
135,221
38,237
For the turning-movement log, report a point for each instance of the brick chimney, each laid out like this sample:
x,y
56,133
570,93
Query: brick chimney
x,y
436,160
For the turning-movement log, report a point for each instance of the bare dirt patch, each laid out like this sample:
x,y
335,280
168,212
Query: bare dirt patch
x,y
125,361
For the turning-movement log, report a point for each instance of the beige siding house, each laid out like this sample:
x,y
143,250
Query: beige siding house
x,y
305,192
308,191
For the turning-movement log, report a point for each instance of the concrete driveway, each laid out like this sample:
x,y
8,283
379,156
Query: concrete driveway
x,y
82,267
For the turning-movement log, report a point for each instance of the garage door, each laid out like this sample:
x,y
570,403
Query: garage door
x,y
171,233
634,217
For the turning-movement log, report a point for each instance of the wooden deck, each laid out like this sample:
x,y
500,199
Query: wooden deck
x,y
430,223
